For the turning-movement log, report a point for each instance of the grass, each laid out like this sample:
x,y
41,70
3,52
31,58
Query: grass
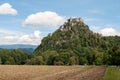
x,y
112,73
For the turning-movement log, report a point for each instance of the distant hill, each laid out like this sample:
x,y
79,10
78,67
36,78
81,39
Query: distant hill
x,y
24,47
16,46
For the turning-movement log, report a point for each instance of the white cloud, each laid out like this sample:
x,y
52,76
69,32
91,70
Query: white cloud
x,y
34,38
6,8
47,18
109,32
106,31
95,28
10,32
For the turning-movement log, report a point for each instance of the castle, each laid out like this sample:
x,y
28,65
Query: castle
x,y
72,22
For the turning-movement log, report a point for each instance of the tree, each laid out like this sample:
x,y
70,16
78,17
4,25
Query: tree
x,y
49,57
38,60
115,55
97,57
83,61
10,60
0,61
106,59
65,58
73,60
14,56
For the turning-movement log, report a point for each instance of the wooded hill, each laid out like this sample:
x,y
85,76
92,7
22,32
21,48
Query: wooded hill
x,y
75,44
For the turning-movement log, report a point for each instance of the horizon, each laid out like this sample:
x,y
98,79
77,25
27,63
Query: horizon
x,y
28,21
18,44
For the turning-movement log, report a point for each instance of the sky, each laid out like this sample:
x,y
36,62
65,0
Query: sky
x,y
28,21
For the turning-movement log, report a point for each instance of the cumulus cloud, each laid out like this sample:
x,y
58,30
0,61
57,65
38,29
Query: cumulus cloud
x,y
109,32
34,38
10,32
95,28
6,8
47,18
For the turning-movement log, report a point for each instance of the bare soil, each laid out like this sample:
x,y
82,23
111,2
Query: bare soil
x,y
18,72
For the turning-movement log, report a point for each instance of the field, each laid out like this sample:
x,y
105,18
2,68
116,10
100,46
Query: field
x,y
112,73
18,72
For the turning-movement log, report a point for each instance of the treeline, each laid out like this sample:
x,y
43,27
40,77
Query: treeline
x,y
88,56
14,57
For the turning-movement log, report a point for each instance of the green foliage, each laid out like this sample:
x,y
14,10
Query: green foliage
x,y
83,61
115,55
65,58
38,60
12,57
73,60
49,57
0,61
97,58
74,43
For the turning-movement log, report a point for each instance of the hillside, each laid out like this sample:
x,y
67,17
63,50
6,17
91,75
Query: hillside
x,y
72,34
75,41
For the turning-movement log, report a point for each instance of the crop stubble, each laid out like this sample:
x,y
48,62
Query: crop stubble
x,y
25,72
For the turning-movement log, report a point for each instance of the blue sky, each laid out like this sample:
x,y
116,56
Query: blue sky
x,y
28,21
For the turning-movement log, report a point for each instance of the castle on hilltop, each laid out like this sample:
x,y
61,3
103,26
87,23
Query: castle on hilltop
x,y
72,21
76,19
